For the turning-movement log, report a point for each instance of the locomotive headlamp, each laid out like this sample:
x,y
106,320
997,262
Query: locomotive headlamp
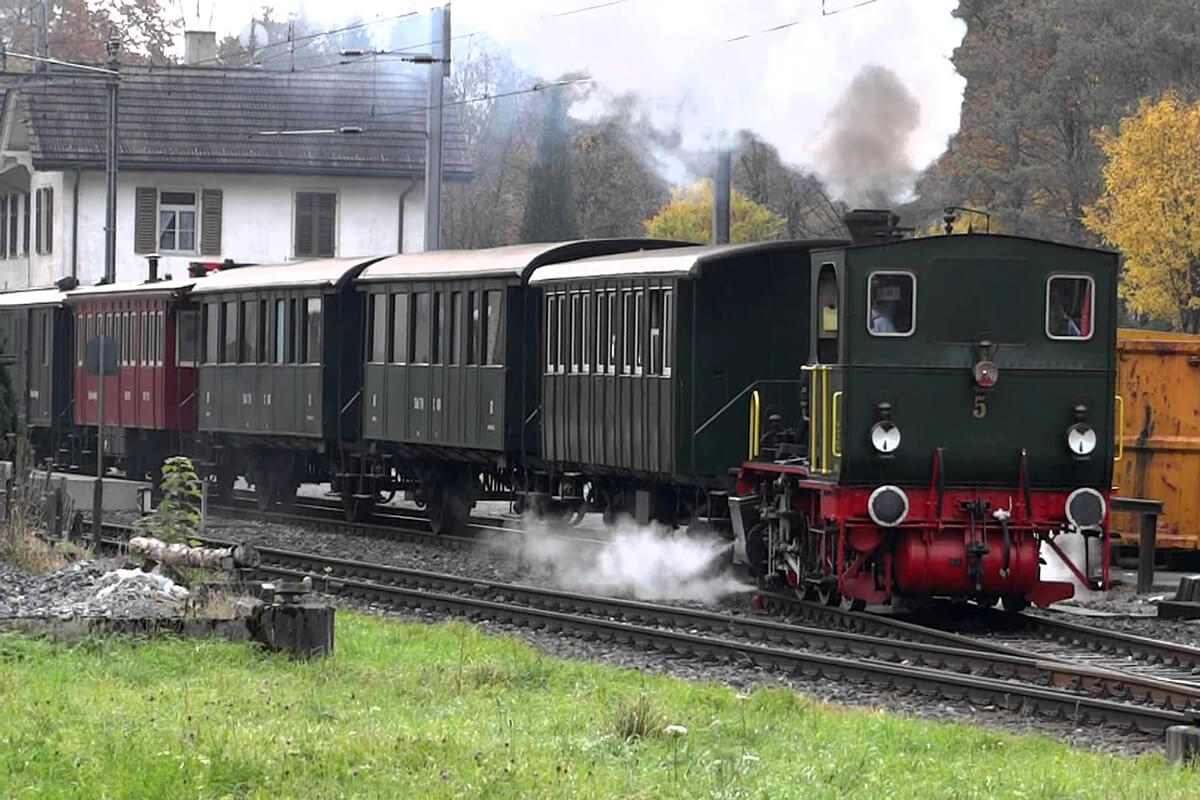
x,y
888,506
986,373
1085,508
885,437
1081,439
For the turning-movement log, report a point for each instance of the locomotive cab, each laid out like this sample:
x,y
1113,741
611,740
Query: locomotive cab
x,y
960,421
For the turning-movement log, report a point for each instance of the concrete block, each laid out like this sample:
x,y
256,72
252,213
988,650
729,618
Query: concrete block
x,y
304,630
1183,743
1179,609
119,494
1189,588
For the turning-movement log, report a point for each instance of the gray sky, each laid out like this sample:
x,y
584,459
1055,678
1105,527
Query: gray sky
x,y
780,84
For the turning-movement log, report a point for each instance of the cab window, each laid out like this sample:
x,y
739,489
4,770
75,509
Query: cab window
x,y
891,303
1070,306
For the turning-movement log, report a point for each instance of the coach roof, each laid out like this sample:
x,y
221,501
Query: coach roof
x,y
517,260
47,296
683,262
324,273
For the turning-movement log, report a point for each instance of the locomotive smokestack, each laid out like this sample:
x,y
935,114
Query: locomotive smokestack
x,y
722,188
871,225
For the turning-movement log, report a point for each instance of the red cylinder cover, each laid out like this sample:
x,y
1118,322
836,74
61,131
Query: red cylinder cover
x,y
940,566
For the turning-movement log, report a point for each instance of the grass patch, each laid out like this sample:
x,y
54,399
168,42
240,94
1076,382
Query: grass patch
x,y
20,547
446,711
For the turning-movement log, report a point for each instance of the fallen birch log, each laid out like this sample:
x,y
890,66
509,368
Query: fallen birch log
x,y
182,555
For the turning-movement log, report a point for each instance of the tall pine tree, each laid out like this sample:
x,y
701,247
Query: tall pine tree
x,y
549,211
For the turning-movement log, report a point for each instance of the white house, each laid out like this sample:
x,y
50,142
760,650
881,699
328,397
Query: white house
x,y
200,178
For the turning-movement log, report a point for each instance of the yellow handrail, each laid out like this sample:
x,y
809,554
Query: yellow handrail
x,y
835,401
1120,428
755,422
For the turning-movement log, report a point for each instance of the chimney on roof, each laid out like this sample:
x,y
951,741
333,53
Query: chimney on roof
x,y
199,48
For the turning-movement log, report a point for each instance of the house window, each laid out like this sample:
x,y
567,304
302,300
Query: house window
x,y
491,329
177,222
379,328
14,225
400,328
315,223
4,199
312,331
44,228
187,338
25,225
281,330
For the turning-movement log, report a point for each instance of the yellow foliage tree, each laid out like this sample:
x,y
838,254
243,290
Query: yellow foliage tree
x,y
688,217
1150,208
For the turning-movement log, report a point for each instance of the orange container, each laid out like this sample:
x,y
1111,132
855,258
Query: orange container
x,y
1158,377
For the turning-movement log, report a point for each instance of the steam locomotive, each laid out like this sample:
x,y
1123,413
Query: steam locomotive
x,y
853,442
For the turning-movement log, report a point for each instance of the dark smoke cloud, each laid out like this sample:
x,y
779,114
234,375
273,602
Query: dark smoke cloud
x,y
863,151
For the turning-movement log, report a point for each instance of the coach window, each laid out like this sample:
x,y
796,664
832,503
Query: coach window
x,y
1070,306
229,324
891,303
420,329
474,331
587,333
400,328
639,326
576,331
552,332
491,329
437,339
212,332
453,334
249,338
45,338
158,337
655,309
379,328
601,330
627,332
279,354
80,333
187,337
312,330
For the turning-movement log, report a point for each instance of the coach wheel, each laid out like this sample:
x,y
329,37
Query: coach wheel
x,y
577,514
264,490
222,484
448,510
286,495
1015,603
357,509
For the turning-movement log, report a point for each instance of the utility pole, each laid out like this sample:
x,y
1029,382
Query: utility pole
x,y
43,35
439,70
110,274
722,187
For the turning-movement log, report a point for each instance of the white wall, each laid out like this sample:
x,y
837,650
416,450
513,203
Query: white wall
x,y
257,221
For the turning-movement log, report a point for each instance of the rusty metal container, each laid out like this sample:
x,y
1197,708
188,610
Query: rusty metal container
x,y
1158,377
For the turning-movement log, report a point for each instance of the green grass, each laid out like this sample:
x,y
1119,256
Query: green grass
x,y
414,711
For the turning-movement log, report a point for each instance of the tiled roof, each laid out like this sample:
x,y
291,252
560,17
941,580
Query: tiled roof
x,y
199,118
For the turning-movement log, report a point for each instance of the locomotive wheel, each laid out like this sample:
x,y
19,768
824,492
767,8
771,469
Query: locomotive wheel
x,y
828,595
448,510
854,604
286,495
1015,604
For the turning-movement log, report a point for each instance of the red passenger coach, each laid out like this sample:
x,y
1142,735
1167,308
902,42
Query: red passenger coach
x,y
151,403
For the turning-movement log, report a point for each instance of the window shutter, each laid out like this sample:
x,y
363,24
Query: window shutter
x,y
304,224
326,209
145,225
210,223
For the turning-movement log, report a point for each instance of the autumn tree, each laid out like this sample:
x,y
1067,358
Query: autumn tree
x,y
1150,208
79,29
688,217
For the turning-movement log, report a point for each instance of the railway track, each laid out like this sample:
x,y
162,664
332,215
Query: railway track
x,y
1027,635
388,523
1003,680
